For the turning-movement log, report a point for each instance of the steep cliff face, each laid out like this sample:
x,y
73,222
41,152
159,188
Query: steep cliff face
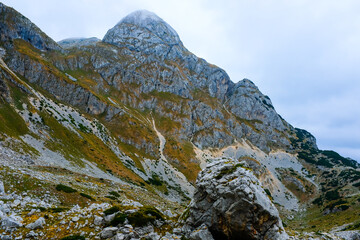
x,y
138,108
13,25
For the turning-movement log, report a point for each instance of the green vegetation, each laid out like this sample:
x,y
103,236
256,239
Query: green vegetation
x,y
64,188
332,195
73,237
355,226
155,180
87,196
111,210
268,193
118,219
57,210
12,123
115,194
144,216
228,170
335,157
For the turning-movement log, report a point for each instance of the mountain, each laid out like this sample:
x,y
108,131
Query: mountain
x,y
129,121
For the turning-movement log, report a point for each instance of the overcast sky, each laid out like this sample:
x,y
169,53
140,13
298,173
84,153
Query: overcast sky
x,y
305,55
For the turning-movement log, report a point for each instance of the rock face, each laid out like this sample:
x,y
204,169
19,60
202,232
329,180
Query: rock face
x,y
13,26
231,202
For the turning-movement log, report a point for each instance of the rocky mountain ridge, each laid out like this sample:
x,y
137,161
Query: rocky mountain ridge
x,y
138,109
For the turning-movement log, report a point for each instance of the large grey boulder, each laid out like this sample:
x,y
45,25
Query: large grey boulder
x,y
108,232
230,201
10,222
39,223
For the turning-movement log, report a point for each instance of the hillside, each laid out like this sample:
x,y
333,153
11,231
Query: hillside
x,y
132,119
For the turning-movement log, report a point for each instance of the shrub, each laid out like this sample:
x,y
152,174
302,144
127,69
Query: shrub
x,y
318,201
73,237
155,180
152,211
332,195
144,216
118,219
111,197
87,196
306,157
61,187
115,194
228,170
325,163
57,210
335,204
111,210
139,219
268,193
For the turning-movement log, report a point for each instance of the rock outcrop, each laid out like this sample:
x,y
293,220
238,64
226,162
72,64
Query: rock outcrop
x,y
230,201
13,25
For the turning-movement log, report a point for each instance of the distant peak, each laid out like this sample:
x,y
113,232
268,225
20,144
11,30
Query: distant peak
x,y
149,20
141,18
78,42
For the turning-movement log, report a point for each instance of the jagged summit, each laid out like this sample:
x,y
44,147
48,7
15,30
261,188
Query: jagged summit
x,y
145,26
141,18
150,21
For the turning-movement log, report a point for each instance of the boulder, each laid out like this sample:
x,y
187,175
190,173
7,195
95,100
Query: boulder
x,y
108,232
98,220
201,233
37,224
10,222
230,201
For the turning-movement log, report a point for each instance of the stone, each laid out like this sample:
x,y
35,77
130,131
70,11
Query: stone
x,y
10,222
39,223
108,232
119,236
109,218
98,220
31,234
230,201
201,233
32,212
348,235
5,237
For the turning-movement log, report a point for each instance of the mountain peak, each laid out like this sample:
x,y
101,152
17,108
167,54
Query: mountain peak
x,y
141,18
145,26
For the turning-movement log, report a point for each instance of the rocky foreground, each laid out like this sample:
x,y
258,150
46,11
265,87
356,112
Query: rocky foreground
x,y
229,203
